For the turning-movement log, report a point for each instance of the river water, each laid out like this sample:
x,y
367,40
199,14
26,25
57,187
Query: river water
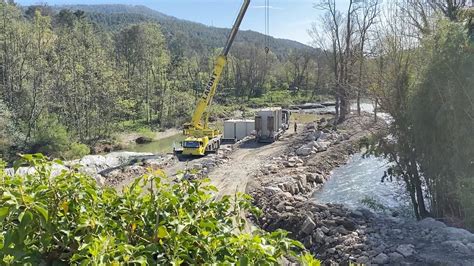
x,y
359,179
164,145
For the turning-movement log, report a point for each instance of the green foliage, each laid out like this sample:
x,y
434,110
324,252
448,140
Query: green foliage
x,y
373,204
146,132
114,68
428,93
442,114
51,138
273,98
75,151
9,135
69,219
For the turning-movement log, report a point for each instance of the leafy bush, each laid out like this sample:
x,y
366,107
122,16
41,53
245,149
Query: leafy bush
x,y
69,219
51,138
76,150
146,132
10,136
373,204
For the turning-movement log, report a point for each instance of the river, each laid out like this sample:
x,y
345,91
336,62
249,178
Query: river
x,y
359,179
164,145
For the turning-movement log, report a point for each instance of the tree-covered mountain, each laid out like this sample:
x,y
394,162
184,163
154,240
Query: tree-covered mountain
x,y
198,37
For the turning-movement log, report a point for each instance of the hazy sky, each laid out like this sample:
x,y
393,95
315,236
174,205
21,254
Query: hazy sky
x,y
289,19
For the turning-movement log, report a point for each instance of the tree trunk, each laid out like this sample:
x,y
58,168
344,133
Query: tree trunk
x,y
358,103
375,109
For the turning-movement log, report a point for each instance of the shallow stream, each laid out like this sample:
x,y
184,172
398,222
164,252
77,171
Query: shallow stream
x,y
360,179
164,145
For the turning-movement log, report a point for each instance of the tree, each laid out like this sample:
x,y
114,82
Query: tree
x,y
250,66
336,38
85,82
365,18
423,86
141,52
442,110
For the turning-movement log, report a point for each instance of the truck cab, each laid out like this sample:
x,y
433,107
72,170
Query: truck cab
x,y
194,146
200,142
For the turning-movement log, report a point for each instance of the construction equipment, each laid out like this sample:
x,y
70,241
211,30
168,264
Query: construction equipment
x,y
271,123
200,139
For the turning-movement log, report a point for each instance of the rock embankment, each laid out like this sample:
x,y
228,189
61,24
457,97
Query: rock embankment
x,y
283,187
311,156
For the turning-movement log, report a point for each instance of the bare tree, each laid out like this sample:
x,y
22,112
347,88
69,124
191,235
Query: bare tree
x,y
365,19
336,38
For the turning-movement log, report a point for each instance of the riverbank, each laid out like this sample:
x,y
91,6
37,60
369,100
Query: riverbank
x,y
283,187
126,139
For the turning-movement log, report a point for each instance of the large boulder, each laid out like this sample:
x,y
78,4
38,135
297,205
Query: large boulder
x,y
56,169
431,223
453,233
318,236
308,226
456,246
304,151
143,140
381,258
406,250
323,145
93,164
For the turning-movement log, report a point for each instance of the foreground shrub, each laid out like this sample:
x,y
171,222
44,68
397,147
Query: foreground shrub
x,y
69,219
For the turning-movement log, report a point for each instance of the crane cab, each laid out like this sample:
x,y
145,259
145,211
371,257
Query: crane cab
x,y
200,142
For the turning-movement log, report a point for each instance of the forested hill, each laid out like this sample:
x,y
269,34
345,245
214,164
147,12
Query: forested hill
x,y
198,37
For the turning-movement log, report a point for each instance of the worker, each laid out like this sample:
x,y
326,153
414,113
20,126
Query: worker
x,y
296,126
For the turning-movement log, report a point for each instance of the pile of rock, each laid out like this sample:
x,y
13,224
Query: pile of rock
x,y
282,189
111,169
337,234
308,161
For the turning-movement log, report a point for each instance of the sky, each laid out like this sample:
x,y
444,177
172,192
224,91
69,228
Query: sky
x,y
289,19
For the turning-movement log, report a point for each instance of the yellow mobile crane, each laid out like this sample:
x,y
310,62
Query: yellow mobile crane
x,y
201,139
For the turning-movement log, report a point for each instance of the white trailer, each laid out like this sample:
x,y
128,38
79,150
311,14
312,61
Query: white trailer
x,y
238,129
271,123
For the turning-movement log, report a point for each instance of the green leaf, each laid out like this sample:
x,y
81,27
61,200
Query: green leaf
x,y
3,213
162,232
26,218
243,260
42,211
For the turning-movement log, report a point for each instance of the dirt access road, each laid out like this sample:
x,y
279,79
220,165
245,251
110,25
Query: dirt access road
x,y
234,175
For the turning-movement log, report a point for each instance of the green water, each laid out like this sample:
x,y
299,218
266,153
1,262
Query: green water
x,y
164,145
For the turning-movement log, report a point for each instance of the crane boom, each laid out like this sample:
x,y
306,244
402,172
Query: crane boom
x,y
200,138
211,86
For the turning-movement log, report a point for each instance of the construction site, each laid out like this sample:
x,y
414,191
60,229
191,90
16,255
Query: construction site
x,y
355,149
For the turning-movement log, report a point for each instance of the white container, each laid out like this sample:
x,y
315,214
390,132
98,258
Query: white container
x,y
250,124
238,129
229,129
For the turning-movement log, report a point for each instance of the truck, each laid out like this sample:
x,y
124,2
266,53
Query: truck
x,y
271,123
